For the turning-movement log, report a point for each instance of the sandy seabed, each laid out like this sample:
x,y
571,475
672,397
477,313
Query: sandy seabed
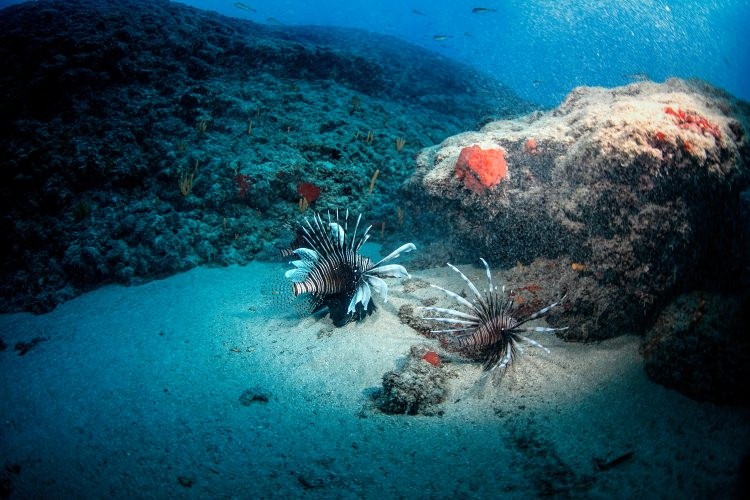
x,y
138,392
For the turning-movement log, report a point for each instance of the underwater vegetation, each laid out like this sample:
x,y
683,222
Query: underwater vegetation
x,y
332,272
491,331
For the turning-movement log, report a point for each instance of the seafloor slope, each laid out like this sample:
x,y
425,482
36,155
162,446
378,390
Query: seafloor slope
x,y
141,138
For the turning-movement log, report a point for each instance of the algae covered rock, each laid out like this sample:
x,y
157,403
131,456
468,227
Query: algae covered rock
x,y
637,186
418,387
699,346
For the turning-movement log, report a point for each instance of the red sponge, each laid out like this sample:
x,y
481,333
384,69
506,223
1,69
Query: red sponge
x,y
481,169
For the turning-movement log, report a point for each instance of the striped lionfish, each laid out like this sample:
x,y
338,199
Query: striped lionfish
x,y
489,331
334,274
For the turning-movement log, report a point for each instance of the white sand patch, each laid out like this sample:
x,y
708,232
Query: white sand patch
x,y
136,393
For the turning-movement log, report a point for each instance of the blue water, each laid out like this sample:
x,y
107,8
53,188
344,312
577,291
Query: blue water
x,y
543,48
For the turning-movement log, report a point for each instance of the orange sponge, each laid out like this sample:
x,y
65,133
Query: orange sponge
x,y
432,358
481,169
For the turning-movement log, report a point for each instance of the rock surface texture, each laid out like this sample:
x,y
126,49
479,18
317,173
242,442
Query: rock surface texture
x,y
418,387
699,346
633,189
626,199
143,138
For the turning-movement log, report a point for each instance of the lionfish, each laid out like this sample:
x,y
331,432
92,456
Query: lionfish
x,y
489,331
333,272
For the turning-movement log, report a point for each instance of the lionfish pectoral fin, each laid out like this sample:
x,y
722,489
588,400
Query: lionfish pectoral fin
x,y
366,295
297,275
379,285
390,270
362,294
533,343
468,282
502,362
407,247
456,297
452,320
306,253
452,312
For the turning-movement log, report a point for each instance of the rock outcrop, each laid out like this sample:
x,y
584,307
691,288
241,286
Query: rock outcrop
x,y
636,190
699,346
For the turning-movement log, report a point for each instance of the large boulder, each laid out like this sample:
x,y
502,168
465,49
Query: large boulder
x,y
621,197
699,345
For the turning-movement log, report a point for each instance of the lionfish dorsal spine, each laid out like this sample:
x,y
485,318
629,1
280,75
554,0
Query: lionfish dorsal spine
x,y
489,274
312,236
473,288
354,235
364,238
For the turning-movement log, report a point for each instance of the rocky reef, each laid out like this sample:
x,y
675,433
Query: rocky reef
x,y
141,138
634,189
699,346
624,198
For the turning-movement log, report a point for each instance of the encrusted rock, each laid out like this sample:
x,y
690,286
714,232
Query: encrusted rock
x,y
636,186
699,346
416,388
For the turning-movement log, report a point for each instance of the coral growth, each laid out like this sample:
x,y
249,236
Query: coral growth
x,y
481,169
310,192
690,120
